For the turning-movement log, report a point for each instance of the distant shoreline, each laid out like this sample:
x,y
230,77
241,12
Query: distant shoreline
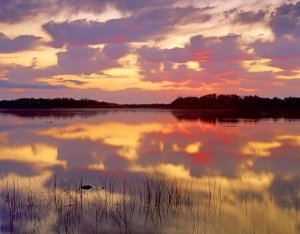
x,y
208,115
207,102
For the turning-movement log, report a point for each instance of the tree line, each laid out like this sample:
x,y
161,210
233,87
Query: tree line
x,y
43,103
232,101
211,101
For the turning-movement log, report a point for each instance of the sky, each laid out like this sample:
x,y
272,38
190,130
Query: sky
x,y
147,51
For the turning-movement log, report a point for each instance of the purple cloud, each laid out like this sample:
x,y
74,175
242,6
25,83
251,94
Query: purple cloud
x,y
115,51
14,85
13,11
82,60
76,82
74,61
283,52
249,17
281,48
131,29
20,43
222,49
286,20
219,57
152,54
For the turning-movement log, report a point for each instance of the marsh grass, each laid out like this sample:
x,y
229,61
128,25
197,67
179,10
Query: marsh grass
x,y
123,206
117,205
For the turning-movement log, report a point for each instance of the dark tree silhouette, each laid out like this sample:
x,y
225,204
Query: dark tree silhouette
x,y
234,102
211,101
41,103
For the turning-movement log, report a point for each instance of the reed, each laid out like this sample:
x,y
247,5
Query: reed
x,y
125,206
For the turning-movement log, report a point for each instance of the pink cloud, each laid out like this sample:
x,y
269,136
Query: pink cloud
x,y
218,57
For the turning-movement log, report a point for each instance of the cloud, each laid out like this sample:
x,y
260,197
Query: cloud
x,y
218,58
14,11
161,35
223,49
82,60
73,61
18,85
249,17
284,49
76,82
157,55
150,61
154,54
284,54
116,51
286,20
20,43
281,48
131,29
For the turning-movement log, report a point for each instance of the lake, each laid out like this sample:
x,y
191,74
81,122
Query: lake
x,y
151,171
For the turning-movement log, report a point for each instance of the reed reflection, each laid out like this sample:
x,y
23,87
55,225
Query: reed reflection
x,y
238,170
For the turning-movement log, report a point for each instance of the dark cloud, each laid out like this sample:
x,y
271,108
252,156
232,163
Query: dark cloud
x,y
283,52
116,51
132,5
281,48
131,29
73,61
20,168
13,11
20,43
249,17
286,20
18,85
178,55
82,60
152,54
229,13
223,49
76,82
219,57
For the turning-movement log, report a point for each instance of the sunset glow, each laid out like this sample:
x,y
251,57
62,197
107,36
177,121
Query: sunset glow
x,y
148,51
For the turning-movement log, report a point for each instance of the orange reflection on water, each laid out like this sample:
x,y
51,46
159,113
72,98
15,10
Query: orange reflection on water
x,y
116,134
260,149
40,155
294,139
165,170
193,147
235,194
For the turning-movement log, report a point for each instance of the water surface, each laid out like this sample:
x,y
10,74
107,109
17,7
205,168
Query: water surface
x,y
224,175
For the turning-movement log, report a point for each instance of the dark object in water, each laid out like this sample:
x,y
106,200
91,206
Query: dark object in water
x,y
86,187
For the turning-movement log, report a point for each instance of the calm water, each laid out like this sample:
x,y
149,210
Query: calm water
x,y
152,172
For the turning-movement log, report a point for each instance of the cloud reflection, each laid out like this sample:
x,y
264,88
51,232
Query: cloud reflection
x,y
40,155
260,148
238,162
